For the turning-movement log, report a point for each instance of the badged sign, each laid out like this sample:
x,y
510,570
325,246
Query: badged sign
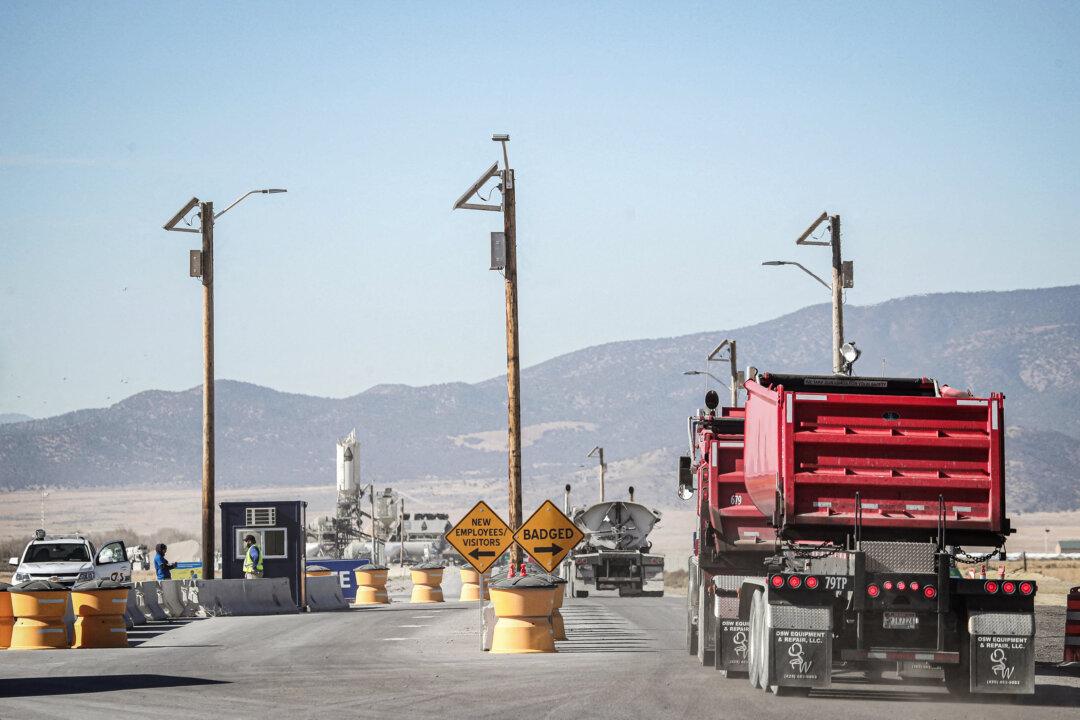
x,y
481,537
548,536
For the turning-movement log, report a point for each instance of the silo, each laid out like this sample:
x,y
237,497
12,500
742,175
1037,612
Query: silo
x,y
348,464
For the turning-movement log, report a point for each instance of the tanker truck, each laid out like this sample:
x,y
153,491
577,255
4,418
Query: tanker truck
x,y
832,511
615,552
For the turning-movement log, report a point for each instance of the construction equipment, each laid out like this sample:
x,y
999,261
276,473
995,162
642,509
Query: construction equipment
x,y
832,511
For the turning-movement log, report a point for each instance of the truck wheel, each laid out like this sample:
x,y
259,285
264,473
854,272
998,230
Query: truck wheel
x,y
704,614
756,646
691,615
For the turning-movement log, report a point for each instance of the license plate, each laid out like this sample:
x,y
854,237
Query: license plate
x,y
901,621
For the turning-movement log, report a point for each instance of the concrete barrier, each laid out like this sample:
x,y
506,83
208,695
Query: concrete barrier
x,y
324,593
172,596
146,594
267,596
134,614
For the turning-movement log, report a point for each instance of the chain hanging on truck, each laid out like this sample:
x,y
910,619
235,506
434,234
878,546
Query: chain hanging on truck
x,y
958,555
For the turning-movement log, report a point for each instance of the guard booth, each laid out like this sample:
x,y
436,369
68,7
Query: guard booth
x,y
278,527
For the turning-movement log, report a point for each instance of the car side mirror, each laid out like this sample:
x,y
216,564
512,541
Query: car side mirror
x,y
686,479
14,562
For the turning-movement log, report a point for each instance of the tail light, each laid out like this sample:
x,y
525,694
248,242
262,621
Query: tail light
x,y
1008,587
1026,588
811,583
929,592
914,586
888,584
777,581
794,582
901,585
991,587
873,590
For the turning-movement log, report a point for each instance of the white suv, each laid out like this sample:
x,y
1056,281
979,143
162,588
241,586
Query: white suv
x,y
70,559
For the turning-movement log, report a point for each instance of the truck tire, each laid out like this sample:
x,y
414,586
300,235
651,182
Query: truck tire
x,y
691,611
704,615
756,646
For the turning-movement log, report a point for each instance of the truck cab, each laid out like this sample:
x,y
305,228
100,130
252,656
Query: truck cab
x,y
70,559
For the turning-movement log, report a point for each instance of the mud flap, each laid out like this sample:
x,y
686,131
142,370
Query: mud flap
x,y
734,646
1002,652
800,646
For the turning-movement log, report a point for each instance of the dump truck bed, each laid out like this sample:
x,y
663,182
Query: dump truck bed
x,y
816,444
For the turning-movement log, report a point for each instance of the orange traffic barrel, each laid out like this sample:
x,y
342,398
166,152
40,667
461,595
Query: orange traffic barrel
x,y
427,582
99,607
470,585
38,607
523,606
7,620
1072,626
558,590
558,628
371,585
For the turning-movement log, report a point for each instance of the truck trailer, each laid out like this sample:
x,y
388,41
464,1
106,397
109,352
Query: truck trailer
x,y
832,511
615,554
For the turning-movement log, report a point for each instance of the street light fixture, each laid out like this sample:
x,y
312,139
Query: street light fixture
x,y
707,373
777,263
201,265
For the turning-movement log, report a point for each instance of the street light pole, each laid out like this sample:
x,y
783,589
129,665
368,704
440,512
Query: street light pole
x,y
513,365
206,213
842,277
837,295
504,258
202,266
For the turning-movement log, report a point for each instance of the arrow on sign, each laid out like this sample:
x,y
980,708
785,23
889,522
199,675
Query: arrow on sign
x,y
478,553
552,549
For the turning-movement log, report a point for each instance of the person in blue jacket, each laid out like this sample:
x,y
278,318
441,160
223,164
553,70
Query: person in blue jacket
x,y
162,567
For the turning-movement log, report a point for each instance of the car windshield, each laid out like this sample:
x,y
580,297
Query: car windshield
x,y
57,552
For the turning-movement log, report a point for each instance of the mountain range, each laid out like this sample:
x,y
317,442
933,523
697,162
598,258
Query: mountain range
x,y
631,397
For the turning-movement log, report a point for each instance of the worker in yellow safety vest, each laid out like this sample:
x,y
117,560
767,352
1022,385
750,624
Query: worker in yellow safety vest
x,y
253,559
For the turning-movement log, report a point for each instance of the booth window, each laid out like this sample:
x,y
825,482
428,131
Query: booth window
x,y
273,542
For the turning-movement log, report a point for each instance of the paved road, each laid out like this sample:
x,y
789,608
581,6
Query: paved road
x,y
625,660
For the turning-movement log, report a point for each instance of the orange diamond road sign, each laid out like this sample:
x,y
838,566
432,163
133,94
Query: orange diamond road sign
x,y
548,536
481,537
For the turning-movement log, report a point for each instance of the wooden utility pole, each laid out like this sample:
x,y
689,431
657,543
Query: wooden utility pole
x,y
206,213
513,365
837,295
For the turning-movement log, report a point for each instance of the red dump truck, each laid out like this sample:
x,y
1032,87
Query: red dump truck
x,y
831,513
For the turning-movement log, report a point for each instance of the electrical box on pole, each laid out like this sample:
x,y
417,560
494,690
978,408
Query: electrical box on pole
x,y
498,251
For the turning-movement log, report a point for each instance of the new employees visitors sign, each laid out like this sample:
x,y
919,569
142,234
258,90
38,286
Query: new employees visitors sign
x,y
481,537
548,536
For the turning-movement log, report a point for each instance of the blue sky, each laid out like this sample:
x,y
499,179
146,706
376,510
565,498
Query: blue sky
x,y
662,152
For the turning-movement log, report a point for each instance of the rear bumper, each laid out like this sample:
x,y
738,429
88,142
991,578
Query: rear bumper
x,y
898,654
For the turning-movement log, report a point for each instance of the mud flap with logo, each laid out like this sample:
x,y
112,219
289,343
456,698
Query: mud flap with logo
x,y
799,643
734,645
1002,653
801,658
